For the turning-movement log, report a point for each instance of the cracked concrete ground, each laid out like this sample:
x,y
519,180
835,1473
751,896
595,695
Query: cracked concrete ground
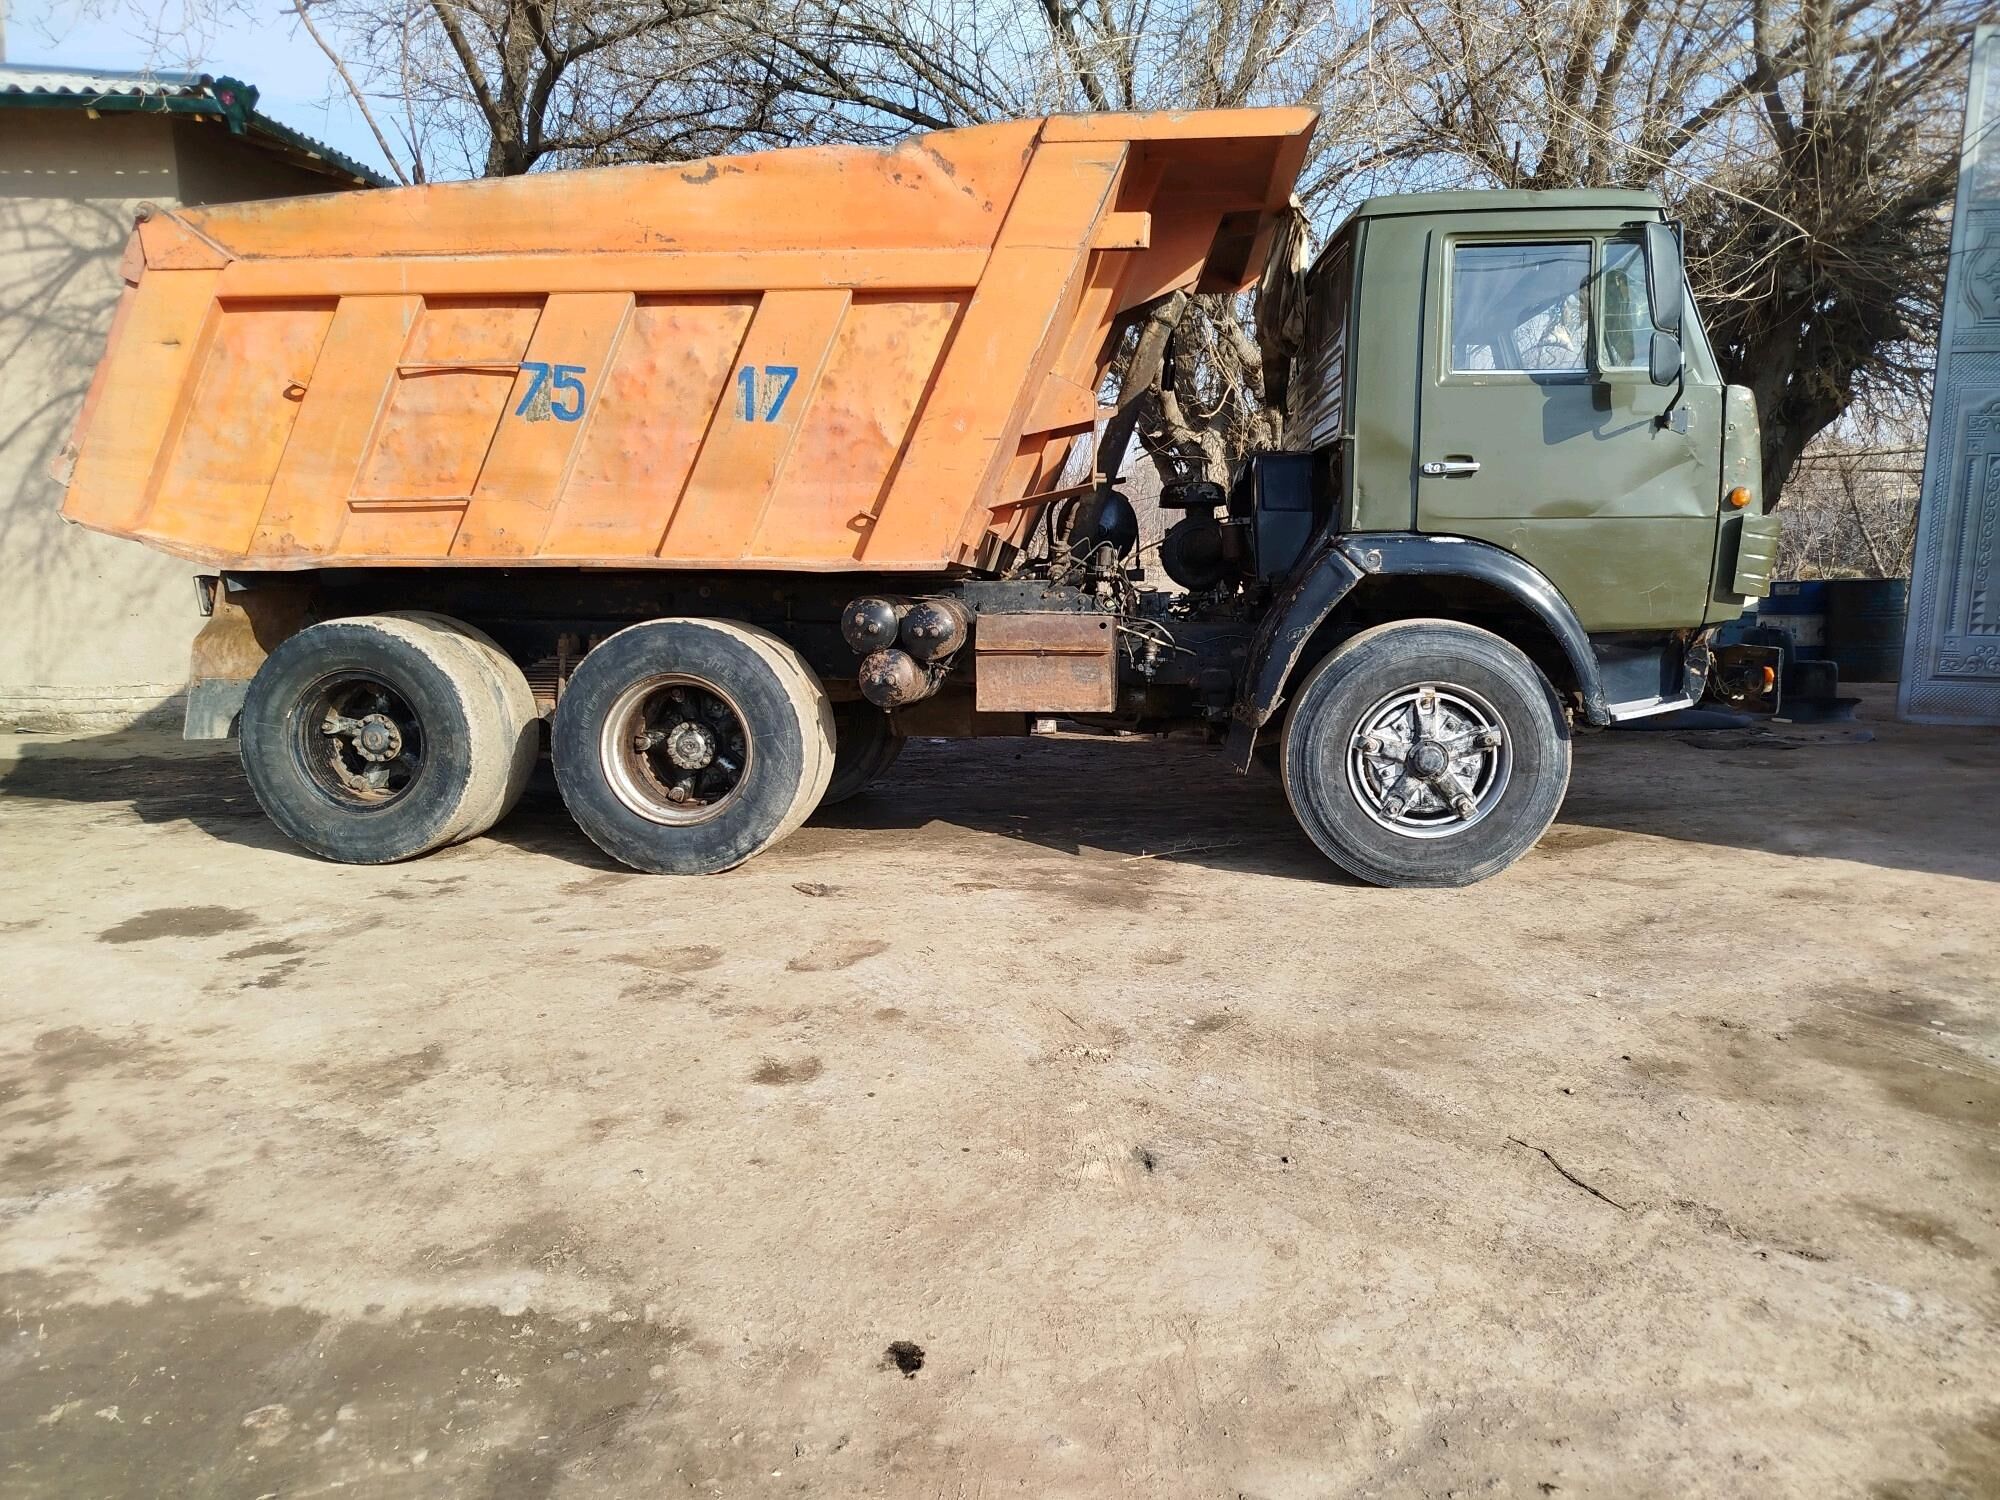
x,y
1051,1122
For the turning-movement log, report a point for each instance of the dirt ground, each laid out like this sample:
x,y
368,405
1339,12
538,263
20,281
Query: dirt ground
x,y
1051,1121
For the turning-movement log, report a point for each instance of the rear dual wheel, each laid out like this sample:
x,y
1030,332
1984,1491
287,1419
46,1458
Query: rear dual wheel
x,y
867,745
685,746
381,737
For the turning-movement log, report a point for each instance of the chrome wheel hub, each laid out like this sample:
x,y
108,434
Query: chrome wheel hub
x,y
1429,761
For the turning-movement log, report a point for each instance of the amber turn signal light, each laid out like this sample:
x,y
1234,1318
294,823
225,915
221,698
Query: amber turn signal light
x,y
1739,497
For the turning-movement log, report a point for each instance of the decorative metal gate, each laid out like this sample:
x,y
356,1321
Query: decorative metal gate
x,y
1951,649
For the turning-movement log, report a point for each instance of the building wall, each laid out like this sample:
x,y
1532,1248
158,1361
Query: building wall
x,y
94,631
213,166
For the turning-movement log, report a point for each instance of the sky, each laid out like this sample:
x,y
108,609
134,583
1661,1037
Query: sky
x,y
295,84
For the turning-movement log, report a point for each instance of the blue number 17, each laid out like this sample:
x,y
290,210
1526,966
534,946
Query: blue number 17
x,y
778,383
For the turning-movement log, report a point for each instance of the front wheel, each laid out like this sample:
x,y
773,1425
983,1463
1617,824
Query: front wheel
x,y
1425,753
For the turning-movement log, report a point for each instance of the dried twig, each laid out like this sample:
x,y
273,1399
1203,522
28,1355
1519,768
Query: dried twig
x,y
1571,1176
1181,849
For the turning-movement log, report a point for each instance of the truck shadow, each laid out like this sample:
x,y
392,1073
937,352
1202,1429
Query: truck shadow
x,y
152,774
1878,793
1875,792
1175,802
1884,794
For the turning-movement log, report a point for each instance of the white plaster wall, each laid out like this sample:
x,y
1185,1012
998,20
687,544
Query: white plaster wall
x,y
94,630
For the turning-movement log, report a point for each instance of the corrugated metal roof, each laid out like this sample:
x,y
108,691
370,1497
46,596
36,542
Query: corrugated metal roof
x,y
95,83
228,99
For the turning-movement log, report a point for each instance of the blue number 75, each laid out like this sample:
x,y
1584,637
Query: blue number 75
x,y
561,379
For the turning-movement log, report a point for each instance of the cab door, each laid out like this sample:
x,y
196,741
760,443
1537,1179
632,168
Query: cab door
x,y
1540,429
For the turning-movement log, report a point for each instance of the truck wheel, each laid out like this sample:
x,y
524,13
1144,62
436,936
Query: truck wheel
x,y
683,747
377,738
521,720
866,745
1425,753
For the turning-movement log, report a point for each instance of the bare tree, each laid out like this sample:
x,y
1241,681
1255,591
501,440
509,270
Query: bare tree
x,y
1202,385
497,88
1851,506
1809,146
1824,251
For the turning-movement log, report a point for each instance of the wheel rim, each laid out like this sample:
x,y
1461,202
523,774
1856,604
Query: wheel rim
x,y
1430,760
360,742
675,749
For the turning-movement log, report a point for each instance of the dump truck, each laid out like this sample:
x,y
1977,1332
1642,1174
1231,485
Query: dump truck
x,y
724,478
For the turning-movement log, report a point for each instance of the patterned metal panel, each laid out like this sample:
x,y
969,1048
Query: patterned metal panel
x,y
1951,650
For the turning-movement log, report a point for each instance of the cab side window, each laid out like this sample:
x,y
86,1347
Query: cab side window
x,y
1628,315
1520,308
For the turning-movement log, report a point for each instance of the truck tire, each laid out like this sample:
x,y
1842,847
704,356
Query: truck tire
x,y
1425,753
521,719
866,745
419,752
683,747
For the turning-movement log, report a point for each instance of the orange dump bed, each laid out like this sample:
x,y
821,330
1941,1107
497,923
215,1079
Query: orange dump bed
x,y
826,358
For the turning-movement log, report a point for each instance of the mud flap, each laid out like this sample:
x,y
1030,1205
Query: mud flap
x,y
244,626
1322,578
1756,555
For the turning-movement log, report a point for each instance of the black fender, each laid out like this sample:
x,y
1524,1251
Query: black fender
x,y
1336,563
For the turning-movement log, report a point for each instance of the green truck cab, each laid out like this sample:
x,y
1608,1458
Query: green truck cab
x,y
1538,423
1512,434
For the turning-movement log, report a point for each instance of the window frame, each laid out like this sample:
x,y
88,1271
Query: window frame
x,y
1605,368
1572,239
1697,350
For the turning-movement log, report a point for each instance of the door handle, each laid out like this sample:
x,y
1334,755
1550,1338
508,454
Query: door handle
x,y
1449,468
